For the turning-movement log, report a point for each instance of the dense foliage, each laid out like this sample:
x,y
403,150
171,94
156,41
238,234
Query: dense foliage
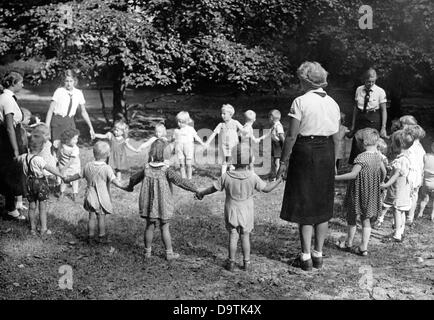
x,y
245,45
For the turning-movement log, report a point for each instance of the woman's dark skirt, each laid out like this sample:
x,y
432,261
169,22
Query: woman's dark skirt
x,y
11,173
309,192
364,120
59,124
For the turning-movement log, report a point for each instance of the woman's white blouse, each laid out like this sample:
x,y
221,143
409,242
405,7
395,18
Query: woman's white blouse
x,y
62,98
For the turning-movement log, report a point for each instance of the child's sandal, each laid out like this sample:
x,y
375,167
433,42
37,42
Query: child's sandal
x,y
230,265
246,265
360,252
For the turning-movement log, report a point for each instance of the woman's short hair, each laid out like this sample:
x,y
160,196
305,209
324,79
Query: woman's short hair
x,y
10,79
101,150
159,151
68,134
228,108
183,117
69,73
368,74
250,114
36,143
313,74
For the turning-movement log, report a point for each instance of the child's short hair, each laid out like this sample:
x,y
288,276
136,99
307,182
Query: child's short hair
x,y
101,150
122,126
416,131
401,140
36,143
183,117
369,136
159,151
275,114
243,155
161,125
228,108
42,129
407,120
250,115
68,134
382,146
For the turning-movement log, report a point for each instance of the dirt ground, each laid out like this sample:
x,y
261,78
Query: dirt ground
x,y
34,268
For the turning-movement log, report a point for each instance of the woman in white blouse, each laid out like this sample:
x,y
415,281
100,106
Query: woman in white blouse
x,y
63,107
12,143
308,161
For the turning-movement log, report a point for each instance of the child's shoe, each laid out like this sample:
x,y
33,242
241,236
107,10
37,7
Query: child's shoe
x,y
45,233
305,265
148,253
317,262
91,240
246,265
230,265
103,239
171,255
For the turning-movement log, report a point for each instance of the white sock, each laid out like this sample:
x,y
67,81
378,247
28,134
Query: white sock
x,y
305,256
316,254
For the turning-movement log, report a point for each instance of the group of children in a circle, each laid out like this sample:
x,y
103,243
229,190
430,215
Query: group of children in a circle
x,y
388,174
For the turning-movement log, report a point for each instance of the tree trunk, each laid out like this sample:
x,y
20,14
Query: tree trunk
x,y
119,93
103,108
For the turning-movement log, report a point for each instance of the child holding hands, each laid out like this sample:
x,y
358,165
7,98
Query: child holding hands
x,y
35,168
228,135
156,203
363,197
99,175
119,143
398,186
184,138
247,136
239,185
428,182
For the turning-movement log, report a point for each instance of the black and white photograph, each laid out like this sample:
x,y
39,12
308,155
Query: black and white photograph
x,y
200,153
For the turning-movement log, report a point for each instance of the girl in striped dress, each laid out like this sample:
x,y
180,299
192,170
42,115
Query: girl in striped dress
x,y
99,175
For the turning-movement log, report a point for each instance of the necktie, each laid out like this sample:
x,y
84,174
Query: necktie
x,y
321,94
70,104
367,97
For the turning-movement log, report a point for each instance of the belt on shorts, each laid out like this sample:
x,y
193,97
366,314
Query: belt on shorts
x,y
300,137
370,111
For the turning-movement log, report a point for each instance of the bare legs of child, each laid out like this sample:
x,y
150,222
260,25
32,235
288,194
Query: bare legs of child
x,y
42,217
423,204
414,198
234,235
165,235
380,219
366,234
399,216
183,171
95,218
187,169
75,184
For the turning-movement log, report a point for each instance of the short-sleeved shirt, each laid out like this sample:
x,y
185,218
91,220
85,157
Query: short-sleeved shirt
x,y
9,105
429,171
62,98
317,112
37,164
186,134
276,130
376,96
416,154
67,153
398,194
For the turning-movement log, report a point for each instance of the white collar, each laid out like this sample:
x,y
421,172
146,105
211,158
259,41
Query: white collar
x,y
99,162
8,92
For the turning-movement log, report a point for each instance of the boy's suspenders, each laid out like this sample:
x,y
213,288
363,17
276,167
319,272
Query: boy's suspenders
x,y
29,167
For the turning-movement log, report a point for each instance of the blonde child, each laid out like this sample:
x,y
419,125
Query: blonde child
x,y
34,168
119,143
184,137
46,153
363,197
239,185
277,138
160,133
247,136
156,203
68,159
416,155
428,182
228,135
97,202
398,186
341,141
382,149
